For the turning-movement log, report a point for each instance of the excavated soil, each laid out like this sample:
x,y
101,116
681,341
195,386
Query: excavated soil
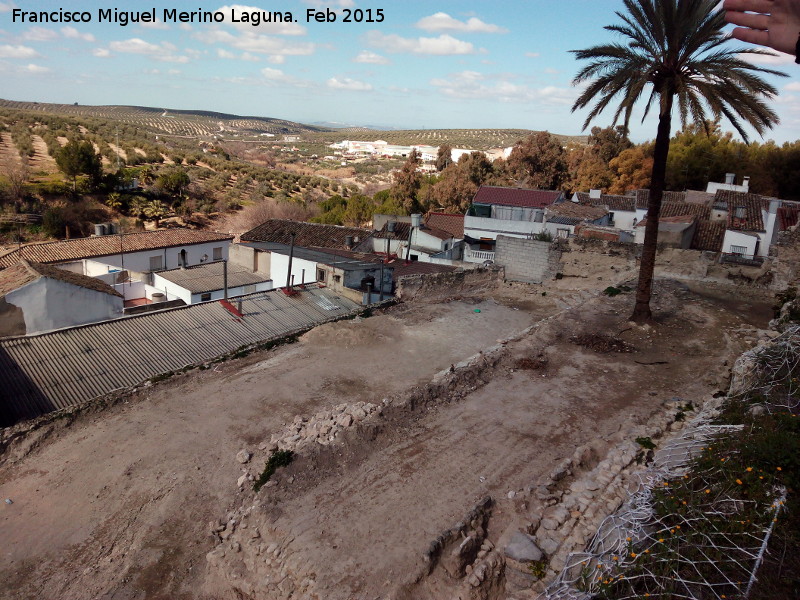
x,y
116,503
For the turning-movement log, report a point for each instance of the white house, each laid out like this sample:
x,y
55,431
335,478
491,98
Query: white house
x,y
439,238
142,252
35,298
497,211
204,283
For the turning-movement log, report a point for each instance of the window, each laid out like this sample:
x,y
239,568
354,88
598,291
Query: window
x,y
156,263
337,278
321,275
415,257
611,218
563,234
486,244
446,246
738,250
218,253
205,297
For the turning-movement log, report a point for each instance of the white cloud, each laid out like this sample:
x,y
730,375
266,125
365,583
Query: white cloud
x,y
222,53
532,55
135,46
439,46
325,3
164,52
273,74
101,53
474,85
155,25
185,27
174,72
441,21
248,41
253,58
8,51
31,68
39,34
277,59
792,87
348,84
7,6
371,58
251,13
74,34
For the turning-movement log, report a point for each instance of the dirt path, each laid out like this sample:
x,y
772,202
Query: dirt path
x,y
363,529
120,501
117,504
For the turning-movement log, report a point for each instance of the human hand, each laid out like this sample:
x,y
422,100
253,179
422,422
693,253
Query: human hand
x,y
771,23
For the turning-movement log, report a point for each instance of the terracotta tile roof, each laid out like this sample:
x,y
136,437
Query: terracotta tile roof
x,y
612,201
748,216
642,196
401,231
451,223
576,211
25,272
708,236
502,196
279,231
106,245
415,267
676,209
788,217
675,219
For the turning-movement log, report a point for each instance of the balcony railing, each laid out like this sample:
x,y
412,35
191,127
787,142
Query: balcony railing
x,y
478,255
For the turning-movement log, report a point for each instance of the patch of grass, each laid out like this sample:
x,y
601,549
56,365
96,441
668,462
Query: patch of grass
x,y
279,458
646,443
538,568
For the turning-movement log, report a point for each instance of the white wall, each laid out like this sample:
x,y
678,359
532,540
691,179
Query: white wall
x,y
279,267
52,304
484,227
263,286
625,219
140,261
737,238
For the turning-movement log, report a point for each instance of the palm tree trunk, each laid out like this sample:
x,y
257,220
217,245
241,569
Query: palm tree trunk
x,y
641,311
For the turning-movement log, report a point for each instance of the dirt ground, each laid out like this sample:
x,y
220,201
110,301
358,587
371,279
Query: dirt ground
x,y
116,504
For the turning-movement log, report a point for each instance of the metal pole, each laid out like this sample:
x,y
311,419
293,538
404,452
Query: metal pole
x,y
225,277
291,256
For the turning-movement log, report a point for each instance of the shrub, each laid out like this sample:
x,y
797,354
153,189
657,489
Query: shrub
x,y
279,458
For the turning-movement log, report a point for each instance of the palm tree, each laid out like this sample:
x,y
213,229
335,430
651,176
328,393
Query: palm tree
x,y
672,52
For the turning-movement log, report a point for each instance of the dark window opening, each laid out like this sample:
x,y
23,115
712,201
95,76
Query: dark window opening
x,y
205,297
321,275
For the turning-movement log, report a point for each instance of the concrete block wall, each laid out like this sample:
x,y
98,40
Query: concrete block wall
x,y
530,261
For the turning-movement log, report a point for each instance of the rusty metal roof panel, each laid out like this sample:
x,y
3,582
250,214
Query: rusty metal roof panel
x,y
63,368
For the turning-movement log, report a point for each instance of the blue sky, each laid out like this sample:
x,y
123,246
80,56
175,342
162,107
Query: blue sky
x,y
428,64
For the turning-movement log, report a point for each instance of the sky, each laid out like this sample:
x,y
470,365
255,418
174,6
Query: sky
x,y
428,64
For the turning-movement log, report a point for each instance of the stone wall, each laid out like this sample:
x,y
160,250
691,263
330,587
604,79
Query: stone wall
x,y
439,287
529,261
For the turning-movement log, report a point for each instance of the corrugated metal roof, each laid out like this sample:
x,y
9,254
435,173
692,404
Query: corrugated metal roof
x,y
63,368
210,277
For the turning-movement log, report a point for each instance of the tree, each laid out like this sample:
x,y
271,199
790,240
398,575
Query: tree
x,y
155,210
632,169
444,157
539,161
673,49
79,158
407,182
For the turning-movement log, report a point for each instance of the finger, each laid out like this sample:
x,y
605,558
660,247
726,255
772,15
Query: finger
x,y
748,20
751,36
756,6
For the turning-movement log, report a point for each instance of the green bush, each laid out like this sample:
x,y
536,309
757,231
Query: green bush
x,y
279,458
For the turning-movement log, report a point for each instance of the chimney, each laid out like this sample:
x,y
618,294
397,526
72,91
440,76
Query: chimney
x,y
390,226
746,183
730,178
416,220
595,194
348,241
